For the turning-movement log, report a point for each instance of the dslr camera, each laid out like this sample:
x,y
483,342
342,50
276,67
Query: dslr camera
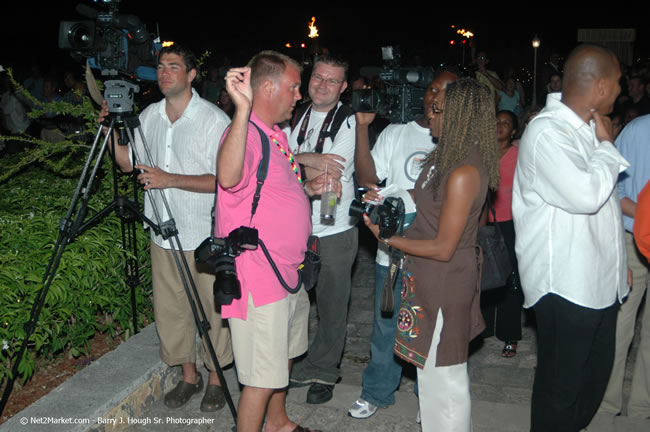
x,y
220,253
389,215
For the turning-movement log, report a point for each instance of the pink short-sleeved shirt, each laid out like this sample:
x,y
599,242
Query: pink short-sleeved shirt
x,y
283,221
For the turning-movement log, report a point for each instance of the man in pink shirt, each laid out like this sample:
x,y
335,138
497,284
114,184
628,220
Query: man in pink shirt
x,y
268,325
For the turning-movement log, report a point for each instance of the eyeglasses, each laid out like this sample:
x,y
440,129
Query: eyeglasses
x,y
328,81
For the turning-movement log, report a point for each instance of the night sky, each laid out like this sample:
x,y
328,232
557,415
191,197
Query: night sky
x,y
30,31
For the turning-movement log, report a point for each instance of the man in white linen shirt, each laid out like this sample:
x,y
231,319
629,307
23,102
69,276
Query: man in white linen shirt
x,y
183,133
570,243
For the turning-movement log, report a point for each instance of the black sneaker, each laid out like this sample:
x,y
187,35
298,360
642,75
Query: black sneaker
x,y
320,393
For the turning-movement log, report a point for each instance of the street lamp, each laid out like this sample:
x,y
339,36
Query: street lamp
x,y
536,43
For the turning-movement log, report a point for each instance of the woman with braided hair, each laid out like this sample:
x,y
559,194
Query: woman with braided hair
x,y
440,312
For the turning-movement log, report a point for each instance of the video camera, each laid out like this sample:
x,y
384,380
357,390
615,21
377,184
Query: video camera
x,y
220,253
113,43
401,100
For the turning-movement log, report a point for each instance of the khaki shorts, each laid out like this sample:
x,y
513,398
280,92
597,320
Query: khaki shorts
x,y
174,318
271,335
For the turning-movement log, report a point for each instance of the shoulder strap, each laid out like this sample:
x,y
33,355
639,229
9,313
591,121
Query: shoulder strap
x,y
298,113
342,114
262,169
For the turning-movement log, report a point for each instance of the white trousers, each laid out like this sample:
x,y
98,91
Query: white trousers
x,y
444,393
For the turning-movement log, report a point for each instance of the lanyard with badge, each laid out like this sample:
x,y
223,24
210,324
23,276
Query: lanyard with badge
x,y
302,133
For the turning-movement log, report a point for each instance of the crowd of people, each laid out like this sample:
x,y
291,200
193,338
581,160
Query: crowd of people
x,y
549,175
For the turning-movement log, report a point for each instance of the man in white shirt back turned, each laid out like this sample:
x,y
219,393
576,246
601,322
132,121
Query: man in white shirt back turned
x,y
570,243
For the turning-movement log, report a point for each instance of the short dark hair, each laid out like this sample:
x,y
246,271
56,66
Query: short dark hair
x,y
449,68
513,117
335,61
269,65
189,59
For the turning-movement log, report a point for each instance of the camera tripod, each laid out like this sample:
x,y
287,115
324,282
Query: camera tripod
x,y
72,225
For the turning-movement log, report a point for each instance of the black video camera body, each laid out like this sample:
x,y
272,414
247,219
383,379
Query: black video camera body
x,y
220,253
401,96
113,43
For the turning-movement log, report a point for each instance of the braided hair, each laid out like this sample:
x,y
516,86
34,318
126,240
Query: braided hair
x,y
468,121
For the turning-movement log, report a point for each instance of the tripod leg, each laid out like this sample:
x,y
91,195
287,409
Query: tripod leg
x,y
202,323
198,312
68,230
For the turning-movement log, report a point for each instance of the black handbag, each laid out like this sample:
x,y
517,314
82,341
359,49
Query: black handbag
x,y
496,267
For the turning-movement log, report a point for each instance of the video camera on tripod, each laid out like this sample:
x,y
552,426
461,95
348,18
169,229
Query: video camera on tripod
x,y
113,43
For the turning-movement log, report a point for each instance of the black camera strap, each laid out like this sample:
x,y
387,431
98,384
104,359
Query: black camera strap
x,y
323,130
262,172
262,169
396,255
339,113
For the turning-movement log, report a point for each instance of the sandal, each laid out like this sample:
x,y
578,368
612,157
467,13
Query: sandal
x,y
213,399
510,349
299,428
182,393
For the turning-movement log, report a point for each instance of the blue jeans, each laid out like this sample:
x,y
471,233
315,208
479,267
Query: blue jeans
x,y
384,371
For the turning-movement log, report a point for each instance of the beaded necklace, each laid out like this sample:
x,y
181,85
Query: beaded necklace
x,y
287,153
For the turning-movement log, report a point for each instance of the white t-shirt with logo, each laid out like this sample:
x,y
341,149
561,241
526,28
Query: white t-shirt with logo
x,y
398,155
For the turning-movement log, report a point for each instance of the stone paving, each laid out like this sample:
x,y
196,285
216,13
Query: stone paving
x,y
501,387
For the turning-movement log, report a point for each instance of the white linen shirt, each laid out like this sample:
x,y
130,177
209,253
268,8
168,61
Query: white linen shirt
x,y
189,147
566,211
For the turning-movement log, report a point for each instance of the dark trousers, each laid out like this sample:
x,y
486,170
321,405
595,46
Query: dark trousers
x,y
574,360
337,252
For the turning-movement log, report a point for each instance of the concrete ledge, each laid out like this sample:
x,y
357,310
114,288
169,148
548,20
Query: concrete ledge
x,y
121,383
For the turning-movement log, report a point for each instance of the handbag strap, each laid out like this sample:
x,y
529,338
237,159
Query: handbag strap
x,y
494,214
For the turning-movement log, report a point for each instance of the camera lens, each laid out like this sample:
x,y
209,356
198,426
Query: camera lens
x,y
226,285
358,208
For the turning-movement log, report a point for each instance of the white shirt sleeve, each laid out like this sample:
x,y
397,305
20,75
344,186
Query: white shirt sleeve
x,y
344,144
568,179
381,154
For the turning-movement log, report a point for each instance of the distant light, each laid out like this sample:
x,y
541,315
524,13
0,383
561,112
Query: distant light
x,y
452,42
536,42
167,44
313,30
288,45
303,45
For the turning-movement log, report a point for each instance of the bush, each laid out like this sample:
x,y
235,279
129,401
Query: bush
x,y
89,292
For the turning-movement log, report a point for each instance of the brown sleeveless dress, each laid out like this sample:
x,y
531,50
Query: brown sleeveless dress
x,y
430,285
